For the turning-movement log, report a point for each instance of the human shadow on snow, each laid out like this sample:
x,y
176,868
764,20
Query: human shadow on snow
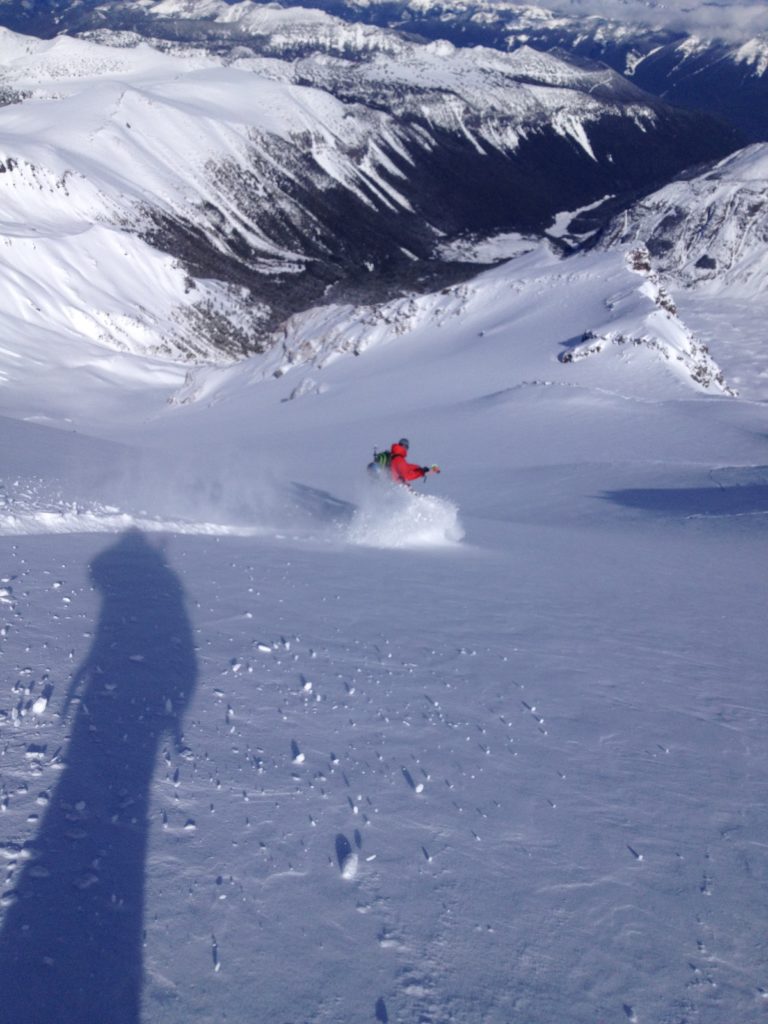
x,y
71,944
746,499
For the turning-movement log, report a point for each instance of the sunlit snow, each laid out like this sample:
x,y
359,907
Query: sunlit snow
x,y
278,743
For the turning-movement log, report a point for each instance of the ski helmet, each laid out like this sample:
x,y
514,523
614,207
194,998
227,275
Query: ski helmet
x,y
404,442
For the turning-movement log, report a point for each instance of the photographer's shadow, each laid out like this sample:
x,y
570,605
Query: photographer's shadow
x,y
71,944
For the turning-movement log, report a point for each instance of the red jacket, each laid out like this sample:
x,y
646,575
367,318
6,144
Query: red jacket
x,y
402,471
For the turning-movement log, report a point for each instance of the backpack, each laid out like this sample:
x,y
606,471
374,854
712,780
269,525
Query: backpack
x,y
381,461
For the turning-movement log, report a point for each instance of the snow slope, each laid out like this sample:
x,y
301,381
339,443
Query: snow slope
x,y
279,744
706,236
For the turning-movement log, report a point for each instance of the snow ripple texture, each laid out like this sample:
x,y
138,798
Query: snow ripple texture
x,y
397,517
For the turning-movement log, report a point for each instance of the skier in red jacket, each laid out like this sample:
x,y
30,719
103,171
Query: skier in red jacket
x,y
403,471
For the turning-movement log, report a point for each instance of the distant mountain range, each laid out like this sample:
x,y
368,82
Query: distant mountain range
x,y
721,77
726,78
217,168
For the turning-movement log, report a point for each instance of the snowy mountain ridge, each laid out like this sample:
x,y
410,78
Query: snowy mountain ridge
x,y
294,29
702,58
660,330
636,20
278,30
515,17
634,323
188,203
708,232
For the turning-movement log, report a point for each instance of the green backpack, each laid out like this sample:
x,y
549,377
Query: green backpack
x,y
381,462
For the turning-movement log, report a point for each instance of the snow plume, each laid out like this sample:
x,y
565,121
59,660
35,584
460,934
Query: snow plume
x,y
732,21
62,481
226,496
231,494
398,517
226,492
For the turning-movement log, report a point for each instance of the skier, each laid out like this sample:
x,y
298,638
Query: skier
x,y
403,471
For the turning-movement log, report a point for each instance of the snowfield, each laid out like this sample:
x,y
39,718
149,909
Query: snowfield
x,y
279,744
283,743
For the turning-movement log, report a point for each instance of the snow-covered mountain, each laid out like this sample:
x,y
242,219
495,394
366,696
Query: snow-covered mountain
x,y
729,80
719,65
634,311
709,231
207,197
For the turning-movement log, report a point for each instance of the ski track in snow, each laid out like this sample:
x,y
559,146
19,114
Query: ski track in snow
x,y
111,521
